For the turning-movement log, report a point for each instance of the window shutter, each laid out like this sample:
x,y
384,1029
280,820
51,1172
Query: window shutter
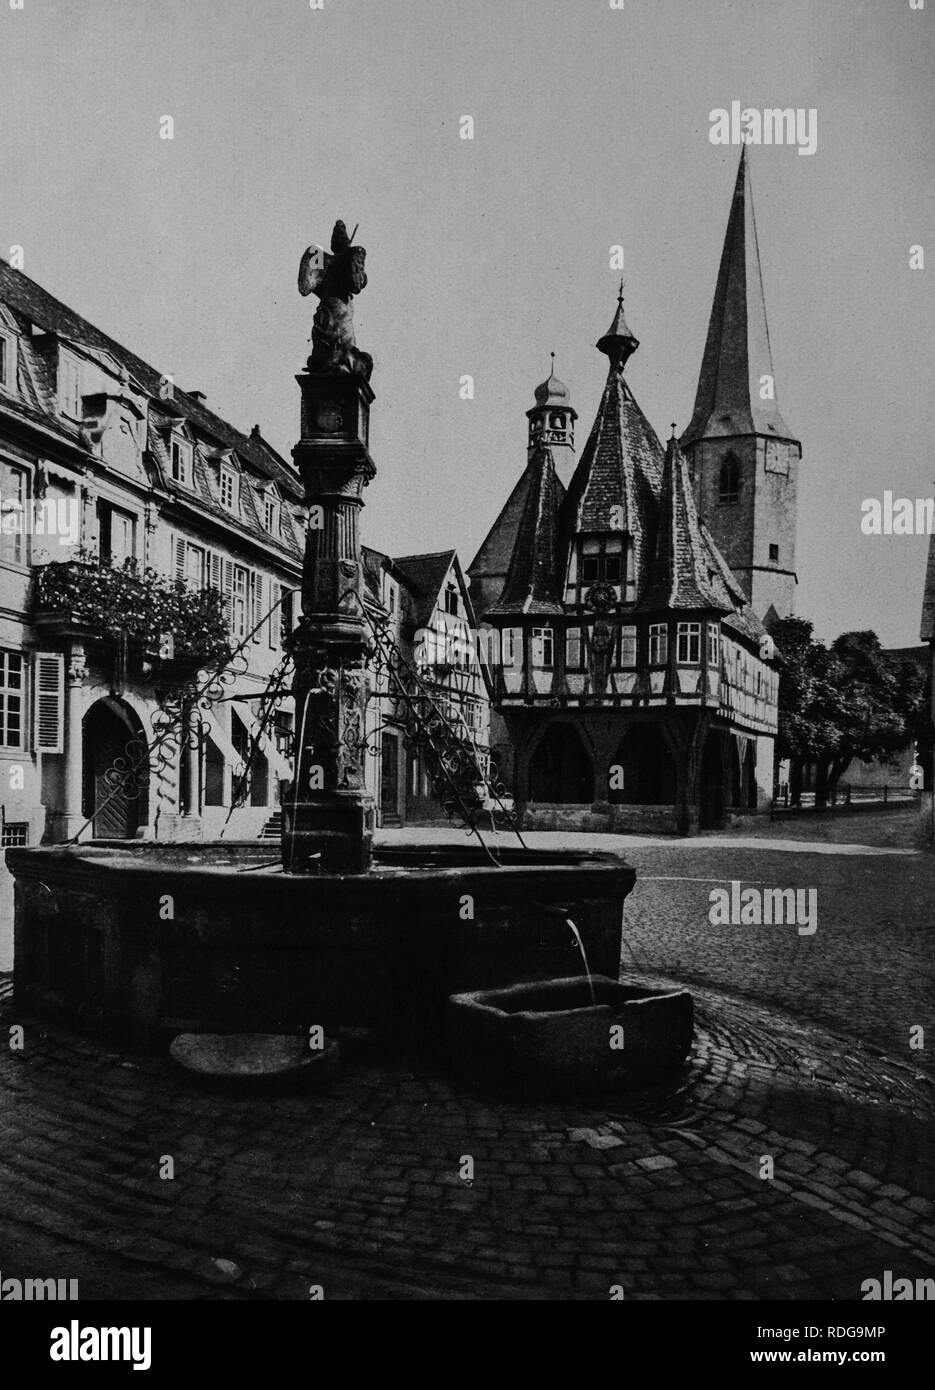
x,y
180,557
258,610
275,617
228,576
49,702
214,569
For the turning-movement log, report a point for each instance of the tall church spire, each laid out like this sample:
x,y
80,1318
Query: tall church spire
x,y
736,390
742,457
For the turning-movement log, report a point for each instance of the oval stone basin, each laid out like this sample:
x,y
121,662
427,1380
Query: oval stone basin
x,y
254,1060
543,1038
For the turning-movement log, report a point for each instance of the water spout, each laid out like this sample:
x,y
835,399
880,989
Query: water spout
x,y
584,956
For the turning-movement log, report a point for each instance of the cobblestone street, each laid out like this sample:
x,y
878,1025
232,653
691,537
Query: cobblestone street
x,y
801,1056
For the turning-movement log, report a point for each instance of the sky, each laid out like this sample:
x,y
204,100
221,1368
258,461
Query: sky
x,y
591,130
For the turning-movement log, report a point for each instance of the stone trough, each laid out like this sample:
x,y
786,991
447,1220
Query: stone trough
x,y
549,1038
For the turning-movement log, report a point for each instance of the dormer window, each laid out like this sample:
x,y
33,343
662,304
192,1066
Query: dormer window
x,y
603,560
69,386
271,514
228,486
182,462
7,361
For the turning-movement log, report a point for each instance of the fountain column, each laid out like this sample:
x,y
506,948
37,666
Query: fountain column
x,y
328,816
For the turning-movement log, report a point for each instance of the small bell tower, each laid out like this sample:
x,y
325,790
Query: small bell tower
x,y
552,423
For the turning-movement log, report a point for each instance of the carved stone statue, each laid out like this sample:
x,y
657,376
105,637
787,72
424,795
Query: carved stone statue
x,y
335,278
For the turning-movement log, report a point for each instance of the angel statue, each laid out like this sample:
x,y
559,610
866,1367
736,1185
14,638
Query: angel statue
x,y
335,279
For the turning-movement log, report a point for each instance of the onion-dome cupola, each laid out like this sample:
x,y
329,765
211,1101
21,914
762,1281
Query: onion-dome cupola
x,y
552,423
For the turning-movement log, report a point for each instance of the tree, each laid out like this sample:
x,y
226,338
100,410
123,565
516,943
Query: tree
x,y
849,700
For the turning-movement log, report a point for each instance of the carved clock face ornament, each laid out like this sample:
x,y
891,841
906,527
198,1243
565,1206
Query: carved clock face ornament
x,y
601,596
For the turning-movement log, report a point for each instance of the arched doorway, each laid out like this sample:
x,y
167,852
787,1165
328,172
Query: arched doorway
x,y
649,777
560,769
112,741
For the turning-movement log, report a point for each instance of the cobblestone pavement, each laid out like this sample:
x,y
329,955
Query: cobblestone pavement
x,y
800,1057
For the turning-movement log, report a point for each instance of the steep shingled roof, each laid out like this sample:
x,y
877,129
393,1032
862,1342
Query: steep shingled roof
x,y
38,307
493,557
682,573
532,579
737,350
621,466
927,631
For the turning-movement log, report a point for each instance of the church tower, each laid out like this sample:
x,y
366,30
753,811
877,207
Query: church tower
x,y
742,456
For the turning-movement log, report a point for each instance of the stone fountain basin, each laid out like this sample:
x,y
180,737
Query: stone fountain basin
x,y
544,1038
140,941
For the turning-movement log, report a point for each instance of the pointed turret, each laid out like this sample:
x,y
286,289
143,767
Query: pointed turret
x,y
532,578
618,343
683,573
616,485
737,360
552,424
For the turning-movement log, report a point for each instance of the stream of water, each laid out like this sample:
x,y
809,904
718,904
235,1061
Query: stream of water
x,y
584,956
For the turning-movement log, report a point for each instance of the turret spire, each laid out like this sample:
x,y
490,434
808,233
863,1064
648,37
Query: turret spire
x,y
618,343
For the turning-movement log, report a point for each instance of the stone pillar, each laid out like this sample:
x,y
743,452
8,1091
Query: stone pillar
x,y
328,817
765,756
71,818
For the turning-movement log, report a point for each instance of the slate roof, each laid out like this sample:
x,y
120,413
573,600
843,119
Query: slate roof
x,y
493,558
737,349
625,481
621,467
533,579
683,574
927,631
32,308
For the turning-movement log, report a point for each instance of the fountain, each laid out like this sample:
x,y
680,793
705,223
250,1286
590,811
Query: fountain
x,y
145,941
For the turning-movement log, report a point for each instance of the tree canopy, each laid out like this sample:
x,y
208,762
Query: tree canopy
x,y
848,700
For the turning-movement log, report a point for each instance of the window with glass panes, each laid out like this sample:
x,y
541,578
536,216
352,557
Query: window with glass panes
x,y
688,649
602,560
14,495
542,651
658,644
512,649
7,362
181,462
574,649
239,591
626,659
12,699
713,645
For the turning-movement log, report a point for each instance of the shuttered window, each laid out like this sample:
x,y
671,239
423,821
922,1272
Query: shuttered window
x,y
12,699
256,604
49,702
287,612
